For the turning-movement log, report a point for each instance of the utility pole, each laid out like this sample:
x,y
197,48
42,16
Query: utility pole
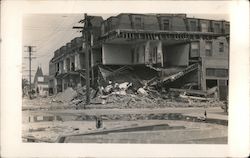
x,y
86,33
30,59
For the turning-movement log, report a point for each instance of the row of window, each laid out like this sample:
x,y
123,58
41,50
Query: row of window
x,y
212,72
139,24
208,48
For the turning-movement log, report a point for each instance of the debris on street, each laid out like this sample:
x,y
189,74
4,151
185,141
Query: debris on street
x,y
66,96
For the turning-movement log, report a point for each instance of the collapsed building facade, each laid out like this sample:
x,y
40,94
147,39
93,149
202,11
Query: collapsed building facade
x,y
168,50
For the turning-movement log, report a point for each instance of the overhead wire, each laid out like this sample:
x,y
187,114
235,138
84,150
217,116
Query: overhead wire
x,y
56,43
53,34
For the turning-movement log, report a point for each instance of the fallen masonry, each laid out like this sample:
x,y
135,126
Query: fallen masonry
x,y
122,88
140,87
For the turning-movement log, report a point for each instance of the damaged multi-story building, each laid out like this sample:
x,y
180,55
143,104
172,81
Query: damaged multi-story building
x,y
67,67
175,49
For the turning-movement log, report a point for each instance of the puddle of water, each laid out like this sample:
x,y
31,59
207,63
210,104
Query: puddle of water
x,y
40,118
127,117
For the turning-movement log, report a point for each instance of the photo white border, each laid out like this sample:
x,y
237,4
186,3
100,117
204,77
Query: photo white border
x,y
11,74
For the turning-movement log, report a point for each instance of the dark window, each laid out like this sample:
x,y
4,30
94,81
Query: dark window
x,y
72,66
138,23
166,24
195,49
216,72
210,72
108,26
132,55
211,83
216,28
144,49
150,57
208,48
58,67
221,47
221,73
192,26
154,55
222,82
204,27
227,28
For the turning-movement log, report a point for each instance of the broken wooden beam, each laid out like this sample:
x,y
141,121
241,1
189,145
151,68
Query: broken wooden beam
x,y
195,98
189,91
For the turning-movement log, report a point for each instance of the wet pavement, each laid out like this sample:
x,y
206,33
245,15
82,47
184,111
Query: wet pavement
x,y
181,125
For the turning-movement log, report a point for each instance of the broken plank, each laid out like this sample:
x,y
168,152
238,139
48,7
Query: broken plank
x,y
190,91
195,98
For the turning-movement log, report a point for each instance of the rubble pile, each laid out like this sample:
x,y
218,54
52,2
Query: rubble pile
x,y
66,96
125,95
128,87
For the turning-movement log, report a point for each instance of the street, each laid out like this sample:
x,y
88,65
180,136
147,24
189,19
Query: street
x,y
136,125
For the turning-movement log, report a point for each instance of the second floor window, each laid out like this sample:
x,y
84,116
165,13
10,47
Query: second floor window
x,y
216,28
193,26
166,25
138,23
212,72
204,27
227,28
208,48
194,49
58,67
221,47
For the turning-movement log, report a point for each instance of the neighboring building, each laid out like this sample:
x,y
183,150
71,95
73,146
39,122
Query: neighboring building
x,y
67,67
198,48
41,82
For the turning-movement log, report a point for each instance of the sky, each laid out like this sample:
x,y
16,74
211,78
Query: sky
x,y
48,32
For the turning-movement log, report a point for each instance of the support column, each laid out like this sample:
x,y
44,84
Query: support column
x,y
76,61
159,53
61,67
64,65
203,75
199,71
55,86
147,51
92,76
70,65
62,84
80,80
92,67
